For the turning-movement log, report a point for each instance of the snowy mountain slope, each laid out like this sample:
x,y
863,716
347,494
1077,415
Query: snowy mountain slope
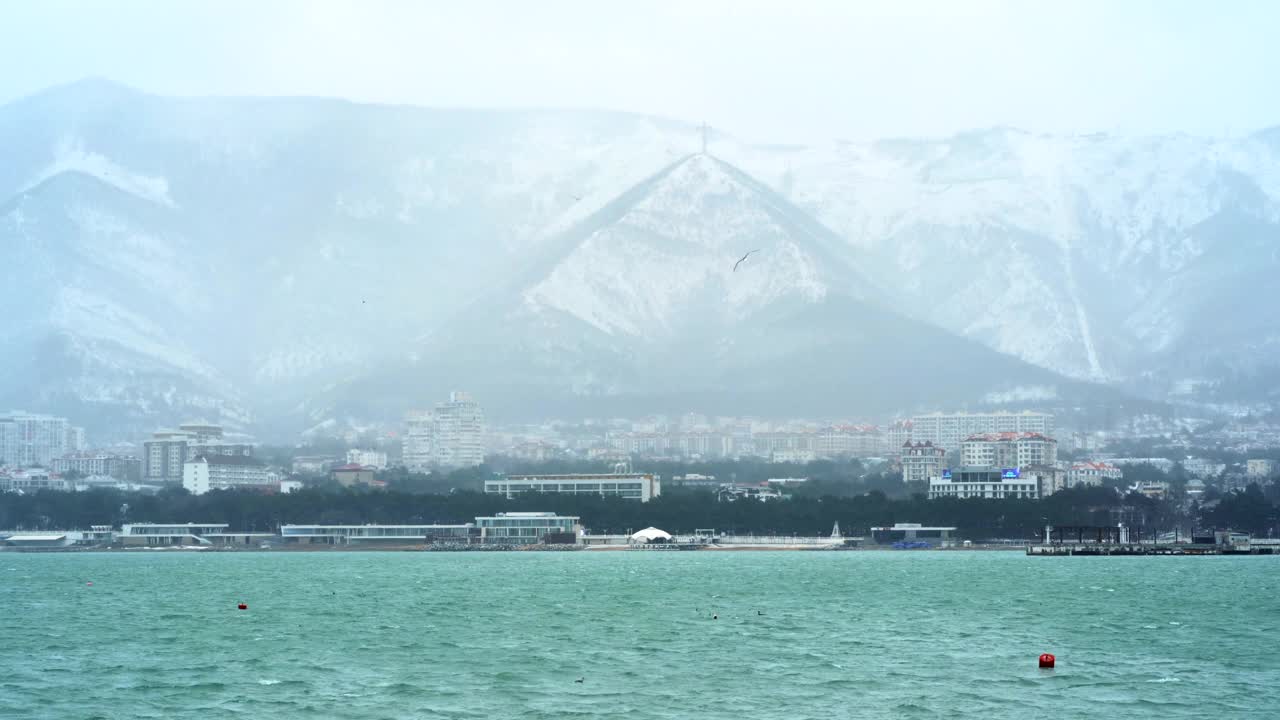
x,y
97,291
1062,251
263,248
641,305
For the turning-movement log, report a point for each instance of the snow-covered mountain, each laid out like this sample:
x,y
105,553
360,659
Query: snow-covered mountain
x,y
644,304
259,258
1102,257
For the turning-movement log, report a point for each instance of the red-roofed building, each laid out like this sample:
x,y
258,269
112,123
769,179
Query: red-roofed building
x,y
354,474
1092,473
1008,450
921,461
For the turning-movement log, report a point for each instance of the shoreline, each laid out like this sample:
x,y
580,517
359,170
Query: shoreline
x,y
358,548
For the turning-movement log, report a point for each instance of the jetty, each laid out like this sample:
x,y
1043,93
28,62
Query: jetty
x,y
1100,541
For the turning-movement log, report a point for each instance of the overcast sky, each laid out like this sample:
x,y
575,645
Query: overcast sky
x,y
780,71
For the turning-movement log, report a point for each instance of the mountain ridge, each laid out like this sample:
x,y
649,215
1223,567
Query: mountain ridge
x,y
290,245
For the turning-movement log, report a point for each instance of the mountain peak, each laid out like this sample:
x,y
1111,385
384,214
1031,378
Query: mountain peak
x,y
702,239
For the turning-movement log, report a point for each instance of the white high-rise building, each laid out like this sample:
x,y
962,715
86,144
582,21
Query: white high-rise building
x,y
1008,450
451,436
28,439
948,430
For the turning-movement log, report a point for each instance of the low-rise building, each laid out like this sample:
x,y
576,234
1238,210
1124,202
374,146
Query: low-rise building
x,y
314,464
911,532
985,482
373,459
1052,478
32,480
164,534
528,528
1203,468
793,456
1154,490
226,472
352,474
632,486
763,492
1092,473
41,541
378,534
1259,468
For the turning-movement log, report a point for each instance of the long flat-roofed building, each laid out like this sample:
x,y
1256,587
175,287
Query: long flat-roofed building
x,y
910,532
385,534
632,486
226,472
170,533
949,429
1008,449
984,482
526,528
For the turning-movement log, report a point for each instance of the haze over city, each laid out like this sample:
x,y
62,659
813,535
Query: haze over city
x,y
392,359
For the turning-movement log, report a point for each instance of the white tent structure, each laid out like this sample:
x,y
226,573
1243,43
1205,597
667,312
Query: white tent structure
x,y
651,534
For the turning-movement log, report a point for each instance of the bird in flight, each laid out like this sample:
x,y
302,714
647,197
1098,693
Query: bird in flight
x,y
744,257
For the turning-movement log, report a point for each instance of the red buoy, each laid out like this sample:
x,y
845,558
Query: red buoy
x,y
1047,660
242,606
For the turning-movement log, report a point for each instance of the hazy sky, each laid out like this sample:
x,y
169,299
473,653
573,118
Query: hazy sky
x,y
782,71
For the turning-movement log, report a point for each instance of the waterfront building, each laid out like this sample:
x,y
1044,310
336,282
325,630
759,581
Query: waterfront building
x,y
45,540
527,528
985,482
921,461
28,439
911,532
225,472
949,429
161,534
1008,450
633,486
374,534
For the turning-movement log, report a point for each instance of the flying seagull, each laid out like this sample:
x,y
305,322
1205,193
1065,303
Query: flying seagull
x,y
744,257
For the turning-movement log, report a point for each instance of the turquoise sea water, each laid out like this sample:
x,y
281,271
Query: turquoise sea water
x,y
495,635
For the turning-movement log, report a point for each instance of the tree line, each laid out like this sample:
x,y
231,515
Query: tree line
x,y
679,512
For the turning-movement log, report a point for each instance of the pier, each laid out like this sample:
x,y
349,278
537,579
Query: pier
x,y
1099,541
